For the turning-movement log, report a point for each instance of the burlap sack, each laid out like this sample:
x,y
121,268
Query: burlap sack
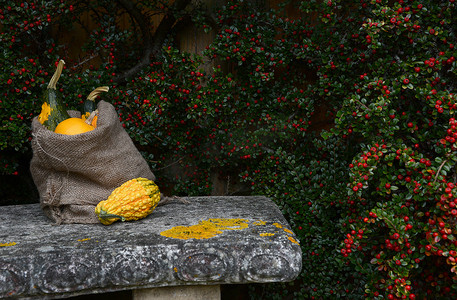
x,y
75,172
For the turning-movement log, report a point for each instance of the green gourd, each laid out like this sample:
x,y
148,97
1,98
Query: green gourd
x,y
52,110
89,104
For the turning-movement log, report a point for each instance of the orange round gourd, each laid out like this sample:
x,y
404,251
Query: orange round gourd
x,y
73,126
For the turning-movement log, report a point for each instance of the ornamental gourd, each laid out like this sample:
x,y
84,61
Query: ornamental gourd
x,y
133,200
88,120
72,126
52,110
89,106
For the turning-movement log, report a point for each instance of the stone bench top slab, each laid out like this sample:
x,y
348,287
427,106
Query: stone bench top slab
x,y
208,240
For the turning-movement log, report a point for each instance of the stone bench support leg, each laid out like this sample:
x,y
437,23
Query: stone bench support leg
x,y
191,292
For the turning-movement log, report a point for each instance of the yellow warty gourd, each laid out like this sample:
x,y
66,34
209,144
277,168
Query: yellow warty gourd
x,y
133,200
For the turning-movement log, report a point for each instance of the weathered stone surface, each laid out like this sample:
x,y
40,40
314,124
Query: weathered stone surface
x,y
41,260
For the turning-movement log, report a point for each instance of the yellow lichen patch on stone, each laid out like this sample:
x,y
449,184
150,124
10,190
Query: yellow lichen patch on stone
x,y
288,231
7,244
277,225
227,224
293,240
267,234
191,232
205,229
259,223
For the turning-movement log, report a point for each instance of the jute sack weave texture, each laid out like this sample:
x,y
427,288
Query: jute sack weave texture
x,y
73,173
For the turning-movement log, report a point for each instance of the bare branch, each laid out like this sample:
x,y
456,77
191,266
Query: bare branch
x,y
82,62
143,23
152,45
439,170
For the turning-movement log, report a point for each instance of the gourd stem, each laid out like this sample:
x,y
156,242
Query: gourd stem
x,y
91,117
97,92
104,215
53,82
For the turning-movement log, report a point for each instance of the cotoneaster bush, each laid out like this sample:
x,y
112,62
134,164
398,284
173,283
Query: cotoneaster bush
x,y
396,65
385,71
341,111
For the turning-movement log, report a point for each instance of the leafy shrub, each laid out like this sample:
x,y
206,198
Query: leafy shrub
x,y
343,113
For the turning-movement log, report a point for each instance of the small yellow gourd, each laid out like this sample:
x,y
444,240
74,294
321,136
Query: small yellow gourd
x,y
88,120
133,200
74,126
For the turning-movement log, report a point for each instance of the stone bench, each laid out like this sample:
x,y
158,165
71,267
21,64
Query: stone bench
x,y
182,250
